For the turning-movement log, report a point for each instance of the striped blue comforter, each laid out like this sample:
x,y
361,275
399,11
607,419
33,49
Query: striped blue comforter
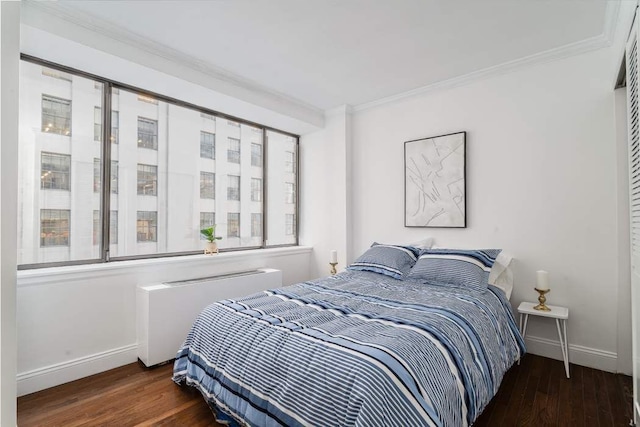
x,y
355,349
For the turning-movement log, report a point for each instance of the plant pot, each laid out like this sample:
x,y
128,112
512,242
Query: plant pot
x,y
211,248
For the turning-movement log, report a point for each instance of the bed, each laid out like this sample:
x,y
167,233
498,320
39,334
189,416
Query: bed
x,y
359,348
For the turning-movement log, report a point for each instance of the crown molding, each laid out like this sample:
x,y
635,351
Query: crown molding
x,y
341,110
38,11
605,39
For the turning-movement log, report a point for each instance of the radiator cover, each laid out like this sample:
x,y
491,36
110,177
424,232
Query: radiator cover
x,y
166,311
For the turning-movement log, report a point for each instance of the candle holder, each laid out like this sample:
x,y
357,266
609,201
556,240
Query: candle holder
x,y
333,268
542,300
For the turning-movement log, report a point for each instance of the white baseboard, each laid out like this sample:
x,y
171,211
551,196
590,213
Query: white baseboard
x,y
64,372
580,355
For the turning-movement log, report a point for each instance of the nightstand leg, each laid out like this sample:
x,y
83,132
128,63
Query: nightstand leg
x,y
564,346
523,327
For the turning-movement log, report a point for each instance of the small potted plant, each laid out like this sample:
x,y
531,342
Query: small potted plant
x,y
210,234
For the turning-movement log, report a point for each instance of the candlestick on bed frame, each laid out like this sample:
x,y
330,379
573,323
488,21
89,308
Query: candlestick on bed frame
x,y
333,268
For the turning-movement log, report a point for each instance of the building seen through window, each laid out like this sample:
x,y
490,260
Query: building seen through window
x,y
166,180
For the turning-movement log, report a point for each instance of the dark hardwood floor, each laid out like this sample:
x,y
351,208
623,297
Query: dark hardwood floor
x,y
536,393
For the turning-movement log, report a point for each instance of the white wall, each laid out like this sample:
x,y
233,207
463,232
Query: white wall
x,y
546,181
541,184
325,196
80,320
9,59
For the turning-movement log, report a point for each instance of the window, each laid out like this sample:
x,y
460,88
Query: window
x,y
97,125
256,190
233,224
56,115
146,226
256,225
113,228
147,133
55,171
163,193
147,180
207,219
207,185
54,227
233,190
289,192
207,145
290,224
233,153
96,176
290,162
256,154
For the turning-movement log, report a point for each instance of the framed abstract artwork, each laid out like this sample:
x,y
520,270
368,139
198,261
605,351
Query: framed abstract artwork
x,y
435,181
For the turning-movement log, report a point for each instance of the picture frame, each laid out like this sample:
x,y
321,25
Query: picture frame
x,y
435,193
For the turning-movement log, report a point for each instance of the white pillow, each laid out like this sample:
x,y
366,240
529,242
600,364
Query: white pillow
x,y
423,244
501,273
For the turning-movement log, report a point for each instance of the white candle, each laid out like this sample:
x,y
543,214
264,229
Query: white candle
x,y
542,282
334,256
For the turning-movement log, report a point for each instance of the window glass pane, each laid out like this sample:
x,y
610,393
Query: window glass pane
x,y
147,180
147,133
256,189
56,115
207,145
256,225
281,182
56,153
233,190
233,224
256,154
207,185
233,153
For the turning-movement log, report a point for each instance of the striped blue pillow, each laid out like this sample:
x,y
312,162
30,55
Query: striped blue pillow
x,y
391,260
457,267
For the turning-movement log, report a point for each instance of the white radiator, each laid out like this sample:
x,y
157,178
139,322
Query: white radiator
x,y
166,311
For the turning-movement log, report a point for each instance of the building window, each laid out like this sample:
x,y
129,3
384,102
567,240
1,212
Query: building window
x,y
146,226
290,224
207,185
207,145
147,133
55,171
97,125
96,176
56,115
113,227
54,227
147,180
233,190
256,154
290,162
234,124
208,117
233,224
289,192
256,190
233,153
256,225
207,219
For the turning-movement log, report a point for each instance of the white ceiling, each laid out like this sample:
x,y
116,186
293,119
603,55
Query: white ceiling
x,y
327,53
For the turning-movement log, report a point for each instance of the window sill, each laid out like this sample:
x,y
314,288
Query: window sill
x,y
86,271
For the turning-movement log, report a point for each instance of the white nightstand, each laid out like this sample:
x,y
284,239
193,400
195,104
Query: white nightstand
x,y
561,314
